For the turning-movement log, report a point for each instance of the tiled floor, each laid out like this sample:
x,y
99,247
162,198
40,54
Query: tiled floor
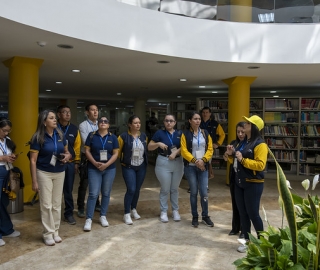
x,y
148,243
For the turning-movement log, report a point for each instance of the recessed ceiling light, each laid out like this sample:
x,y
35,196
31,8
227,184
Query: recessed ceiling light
x,y
119,94
202,86
272,92
58,82
76,70
214,92
275,96
183,80
65,46
48,90
179,96
163,62
253,67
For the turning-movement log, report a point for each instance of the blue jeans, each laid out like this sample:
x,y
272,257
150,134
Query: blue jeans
x,y
99,181
198,181
6,226
169,174
67,189
248,197
133,177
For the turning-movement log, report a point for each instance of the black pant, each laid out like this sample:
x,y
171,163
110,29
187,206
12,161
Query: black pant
x,y
83,185
236,225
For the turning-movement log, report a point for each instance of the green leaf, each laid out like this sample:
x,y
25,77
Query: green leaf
x,y
313,209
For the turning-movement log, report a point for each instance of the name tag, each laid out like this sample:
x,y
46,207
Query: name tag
x,y
103,155
199,154
235,164
53,160
173,149
136,152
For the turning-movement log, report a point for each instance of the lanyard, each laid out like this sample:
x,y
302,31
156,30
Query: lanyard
x,y
169,136
64,132
55,142
3,147
199,130
103,142
93,129
243,144
136,140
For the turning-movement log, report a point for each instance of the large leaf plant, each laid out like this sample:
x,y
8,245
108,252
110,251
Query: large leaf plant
x,y
297,245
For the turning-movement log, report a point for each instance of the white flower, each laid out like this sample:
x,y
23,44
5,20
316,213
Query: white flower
x,y
265,214
306,184
315,181
288,184
298,210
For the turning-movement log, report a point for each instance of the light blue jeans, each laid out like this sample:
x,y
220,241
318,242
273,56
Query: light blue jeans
x,y
198,181
169,174
99,181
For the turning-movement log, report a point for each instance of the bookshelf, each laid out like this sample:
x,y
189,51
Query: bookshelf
x,y
181,110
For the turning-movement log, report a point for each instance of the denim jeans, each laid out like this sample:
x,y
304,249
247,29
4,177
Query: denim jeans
x,y
169,174
99,181
248,197
133,177
6,226
198,181
67,189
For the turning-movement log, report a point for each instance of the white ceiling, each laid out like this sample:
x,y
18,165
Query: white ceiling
x,y
106,70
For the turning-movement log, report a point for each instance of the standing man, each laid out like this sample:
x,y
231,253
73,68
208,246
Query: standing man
x,y
87,126
72,135
215,130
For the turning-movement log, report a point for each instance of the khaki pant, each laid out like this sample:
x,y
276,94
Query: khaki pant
x,y
50,195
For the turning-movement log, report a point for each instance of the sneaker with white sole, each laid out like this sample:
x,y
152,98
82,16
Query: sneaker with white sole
x,y
14,234
49,242
135,214
57,239
127,219
164,217
87,225
104,221
176,215
242,249
2,243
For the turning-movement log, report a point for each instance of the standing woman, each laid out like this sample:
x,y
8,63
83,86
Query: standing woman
x,y
7,157
48,155
134,160
196,150
237,144
250,161
169,166
101,151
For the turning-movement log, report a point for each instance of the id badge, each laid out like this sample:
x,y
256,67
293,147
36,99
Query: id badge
x,y
235,164
173,149
53,160
136,152
8,166
199,154
103,155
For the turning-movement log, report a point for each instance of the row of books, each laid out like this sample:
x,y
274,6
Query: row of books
x,y
308,169
281,104
310,103
310,143
291,167
220,117
283,155
214,104
280,117
289,143
310,130
310,116
281,130
309,158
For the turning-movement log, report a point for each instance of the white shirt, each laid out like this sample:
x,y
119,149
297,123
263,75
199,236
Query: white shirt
x,y
85,128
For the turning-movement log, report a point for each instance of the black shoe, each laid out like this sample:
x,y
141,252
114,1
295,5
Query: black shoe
x,y
188,190
241,235
195,222
97,208
81,214
206,220
70,220
233,232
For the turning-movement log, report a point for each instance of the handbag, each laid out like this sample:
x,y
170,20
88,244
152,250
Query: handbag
x,y
14,181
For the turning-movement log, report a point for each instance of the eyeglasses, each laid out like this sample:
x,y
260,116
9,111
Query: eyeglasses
x,y
103,121
5,130
169,121
65,112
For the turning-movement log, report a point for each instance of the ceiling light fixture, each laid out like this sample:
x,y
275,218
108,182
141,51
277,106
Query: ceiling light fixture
x,y
272,92
202,86
163,62
48,90
183,80
58,82
179,96
119,94
65,46
76,70
253,67
275,96
214,92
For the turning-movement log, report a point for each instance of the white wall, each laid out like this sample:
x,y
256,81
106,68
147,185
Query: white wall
x,y
116,24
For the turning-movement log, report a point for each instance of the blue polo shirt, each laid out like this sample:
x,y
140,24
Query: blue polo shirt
x,y
45,151
96,143
169,139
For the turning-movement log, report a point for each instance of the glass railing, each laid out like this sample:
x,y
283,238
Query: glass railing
x,y
256,11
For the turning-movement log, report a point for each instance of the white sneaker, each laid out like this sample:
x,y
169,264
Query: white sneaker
x,y
87,225
127,219
135,214
57,239
2,243
49,242
175,215
164,217
14,234
242,249
104,221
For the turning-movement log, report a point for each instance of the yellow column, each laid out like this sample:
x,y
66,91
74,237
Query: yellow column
x,y
23,110
238,104
241,11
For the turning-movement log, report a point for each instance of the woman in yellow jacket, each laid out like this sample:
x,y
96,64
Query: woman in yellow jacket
x,y
196,150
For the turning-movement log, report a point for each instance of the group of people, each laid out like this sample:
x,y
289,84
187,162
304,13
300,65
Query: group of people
x,y
55,158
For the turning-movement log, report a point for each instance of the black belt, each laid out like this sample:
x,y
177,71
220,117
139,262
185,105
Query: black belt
x,y
167,155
